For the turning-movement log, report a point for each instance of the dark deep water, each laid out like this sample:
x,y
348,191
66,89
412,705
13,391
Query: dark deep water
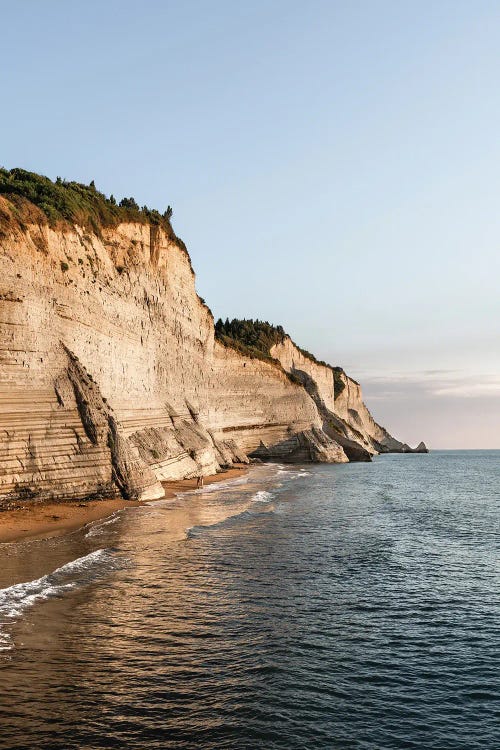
x,y
352,606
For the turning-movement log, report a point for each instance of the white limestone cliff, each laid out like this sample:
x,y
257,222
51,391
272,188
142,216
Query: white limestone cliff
x,y
110,378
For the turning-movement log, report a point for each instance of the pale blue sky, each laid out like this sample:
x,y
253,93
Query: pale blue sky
x,y
333,167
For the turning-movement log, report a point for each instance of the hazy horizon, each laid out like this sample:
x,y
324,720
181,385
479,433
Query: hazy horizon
x,y
333,168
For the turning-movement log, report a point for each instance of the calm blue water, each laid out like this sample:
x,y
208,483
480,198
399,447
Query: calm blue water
x,y
335,607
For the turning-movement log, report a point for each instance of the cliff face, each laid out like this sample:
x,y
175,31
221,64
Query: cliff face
x,y
111,380
339,401
352,410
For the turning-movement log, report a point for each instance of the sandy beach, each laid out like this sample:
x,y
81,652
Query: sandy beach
x,y
55,519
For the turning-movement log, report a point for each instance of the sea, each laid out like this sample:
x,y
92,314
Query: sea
x,y
305,607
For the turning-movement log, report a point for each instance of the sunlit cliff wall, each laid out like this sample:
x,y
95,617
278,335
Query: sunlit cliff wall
x,y
110,379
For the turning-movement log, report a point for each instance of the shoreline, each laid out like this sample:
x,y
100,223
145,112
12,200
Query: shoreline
x,y
50,519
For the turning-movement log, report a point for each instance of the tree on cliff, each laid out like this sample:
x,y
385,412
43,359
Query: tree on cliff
x,y
129,203
257,337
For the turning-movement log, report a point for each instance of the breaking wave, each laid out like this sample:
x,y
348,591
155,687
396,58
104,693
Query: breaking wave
x,y
262,496
217,486
293,473
245,515
96,528
14,600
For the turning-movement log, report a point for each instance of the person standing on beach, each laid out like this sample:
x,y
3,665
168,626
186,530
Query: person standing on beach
x,y
199,481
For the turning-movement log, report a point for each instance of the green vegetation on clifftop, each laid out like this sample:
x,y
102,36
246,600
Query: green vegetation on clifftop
x,y
72,202
252,337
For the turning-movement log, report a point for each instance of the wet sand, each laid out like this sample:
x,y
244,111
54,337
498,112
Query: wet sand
x,y
55,519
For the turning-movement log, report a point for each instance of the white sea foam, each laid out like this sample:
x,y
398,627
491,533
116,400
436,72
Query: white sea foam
x,y
294,473
14,600
216,486
262,496
97,528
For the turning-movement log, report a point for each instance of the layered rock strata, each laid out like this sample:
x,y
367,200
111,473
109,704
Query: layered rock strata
x,y
111,380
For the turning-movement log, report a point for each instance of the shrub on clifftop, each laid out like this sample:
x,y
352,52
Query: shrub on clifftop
x,y
254,334
253,338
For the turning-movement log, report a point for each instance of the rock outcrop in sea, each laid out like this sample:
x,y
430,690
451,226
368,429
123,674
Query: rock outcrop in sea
x,y
111,378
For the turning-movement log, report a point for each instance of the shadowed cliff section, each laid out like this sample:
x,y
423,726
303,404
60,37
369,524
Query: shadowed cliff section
x,y
111,377
131,475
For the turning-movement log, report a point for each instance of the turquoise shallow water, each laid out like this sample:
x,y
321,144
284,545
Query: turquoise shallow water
x,y
350,606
